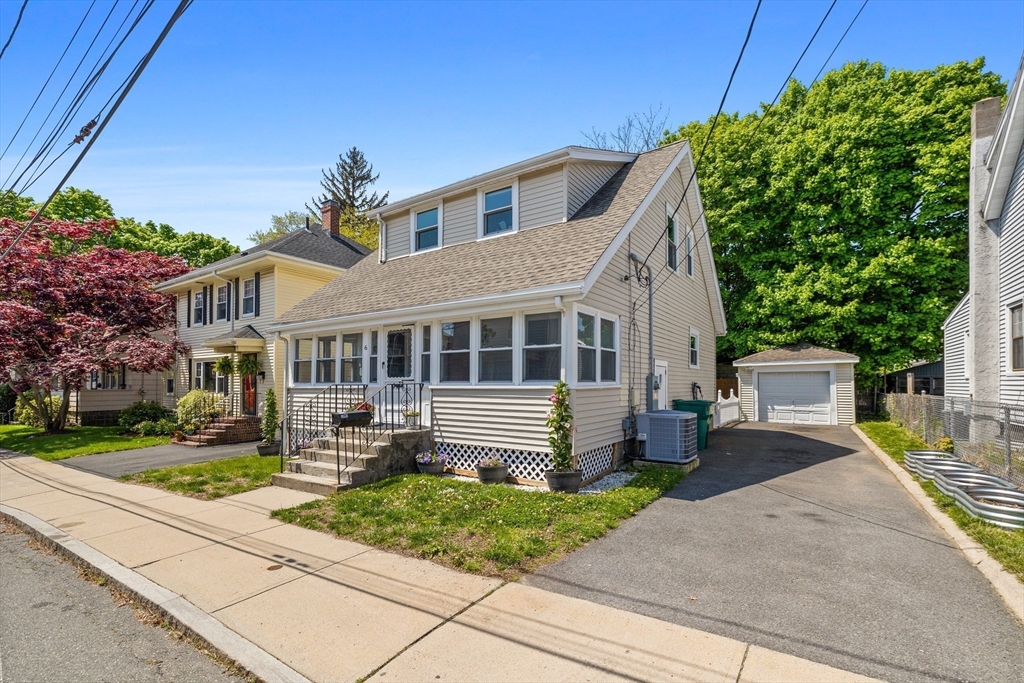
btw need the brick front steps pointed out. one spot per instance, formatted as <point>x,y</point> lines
<point>224,430</point>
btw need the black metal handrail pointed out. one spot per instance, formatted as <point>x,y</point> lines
<point>312,419</point>
<point>196,417</point>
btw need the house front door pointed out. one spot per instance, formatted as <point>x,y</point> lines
<point>398,354</point>
<point>661,375</point>
<point>249,393</point>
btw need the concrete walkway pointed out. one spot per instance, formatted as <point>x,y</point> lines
<point>798,539</point>
<point>333,610</point>
<point>118,463</point>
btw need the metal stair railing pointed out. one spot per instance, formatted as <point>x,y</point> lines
<point>312,419</point>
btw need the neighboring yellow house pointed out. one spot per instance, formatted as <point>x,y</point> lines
<point>224,309</point>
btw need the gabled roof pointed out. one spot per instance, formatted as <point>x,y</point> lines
<point>309,244</point>
<point>556,254</point>
<point>247,332</point>
<point>797,353</point>
<point>1006,148</point>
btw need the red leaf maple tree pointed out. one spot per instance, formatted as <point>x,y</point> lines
<point>70,306</point>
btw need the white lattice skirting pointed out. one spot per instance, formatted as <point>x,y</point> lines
<point>529,465</point>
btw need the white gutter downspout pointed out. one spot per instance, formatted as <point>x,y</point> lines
<point>565,335</point>
<point>382,240</point>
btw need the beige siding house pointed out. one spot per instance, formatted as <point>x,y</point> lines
<point>799,384</point>
<point>226,308</point>
<point>487,291</point>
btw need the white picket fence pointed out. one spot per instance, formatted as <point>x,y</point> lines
<point>726,409</point>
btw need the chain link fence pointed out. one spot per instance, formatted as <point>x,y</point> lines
<point>989,435</point>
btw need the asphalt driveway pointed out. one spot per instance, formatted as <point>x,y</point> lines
<point>119,463</point>
<point>799,540</point>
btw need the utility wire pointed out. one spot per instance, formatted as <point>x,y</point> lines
<point>36,100</point>
<point>751,137</point>
<point>711,131</point>
<point>13,30</point>
<point>182,6</point>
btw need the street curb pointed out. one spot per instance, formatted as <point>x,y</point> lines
<point>1009,588</point>
<point>177,610</point>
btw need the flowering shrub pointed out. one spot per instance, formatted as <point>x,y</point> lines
<point>362,406</point>
<point>430,457</point>
<point>492,460</point>
<point>560,428</point>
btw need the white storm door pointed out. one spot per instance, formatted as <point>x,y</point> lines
<point>398,354</point>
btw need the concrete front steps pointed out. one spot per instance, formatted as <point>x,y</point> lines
<point>223,430</point>
<point>315,470</point>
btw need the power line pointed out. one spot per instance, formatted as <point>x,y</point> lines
<point>180,10</point>
<point>751,137</point>
<point>13,30</point>
<point>55,66</point>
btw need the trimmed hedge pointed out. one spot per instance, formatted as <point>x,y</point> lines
<point>142,411</point>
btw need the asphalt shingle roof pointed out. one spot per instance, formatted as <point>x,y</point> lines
<point>549,255</point>
<point>796,352</point>
<point>247,332</point>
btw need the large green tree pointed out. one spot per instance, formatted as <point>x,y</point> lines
<point>282,225</point>
<point>350,183</point>
<point>844,221</point>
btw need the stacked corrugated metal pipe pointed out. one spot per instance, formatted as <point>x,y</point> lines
<point>983,495</point>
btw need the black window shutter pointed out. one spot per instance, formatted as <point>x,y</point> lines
<point>236,298</point>
<point>256,312</point>
<point>207,300</point>
<point>188,309</point>
<point>228,303</point>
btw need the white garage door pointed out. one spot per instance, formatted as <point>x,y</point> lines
<point>794,397</point>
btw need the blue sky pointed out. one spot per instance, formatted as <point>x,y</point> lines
<point>247,101</point>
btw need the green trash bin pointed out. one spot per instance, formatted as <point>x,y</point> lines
<point>705,411</point>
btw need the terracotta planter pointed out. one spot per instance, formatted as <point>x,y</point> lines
<point>492,475</point>
<point>564,482</point>
<point>272,448</point>
<point>431,467</point>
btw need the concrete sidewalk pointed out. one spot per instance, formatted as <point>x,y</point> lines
<point>334,610</point>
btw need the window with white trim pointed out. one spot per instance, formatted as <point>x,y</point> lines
<point>108,379</point>
<point>498,211</point>
<point>542,347</point>
<point>352,357</point>
<point>249,296</point>
<point>222,303</point>
<point>427,229</point>
<point>325,359</point>
<point>689,252</point>
<point>694,348</point>
<point>586,349</point>
<point>609,351</point>
<point>1017,337</point>
<point>198,308</point>
<point>455,352</point>
<point>373,357</point>
<point>169,382</point>
<point>495,354</point>
<point>425,356</point>
<point>672,247</point>
<point>302,365</point>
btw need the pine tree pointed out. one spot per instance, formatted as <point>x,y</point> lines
<point>349,183</point>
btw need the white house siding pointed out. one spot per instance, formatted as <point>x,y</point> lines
<point>955,382</point>
<point>746,377</point>
<point>1011,282</point>
<point>498,417</point>
<point>592,407</point>
<point>680,302</point>
<point>459,219</point>
<point>397,227</point>
<point>845,401</point>
<point>586,178</point>
<point>541,198</point>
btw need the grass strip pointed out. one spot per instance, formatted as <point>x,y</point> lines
<point>1005,545</point>
<point>211,480</point>
<point>74,442</point>
<point>491,530</point>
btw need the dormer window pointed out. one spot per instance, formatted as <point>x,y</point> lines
<point>427,229</point>
<point>498,211</point>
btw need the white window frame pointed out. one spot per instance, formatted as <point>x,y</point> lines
<point>169,377</point>
<point>294,358</point>
<point>519,353</point>
<point>669,242</point>
<point>199,298</point>
<point>473,332</point>
<point>695,337</point>
<point>481,192</point>
<point>412,227</point>
<point>690,247</point>
<point>358,355</point>
<point>317,359</point>
<point>227,304</point>
<point>1009,336</point>
<point>251,298</point>
<point>615,349</point>
<point>478,332</point>
<point>572,358</point>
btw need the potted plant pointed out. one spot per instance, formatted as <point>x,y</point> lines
<point>248,365</point>
<point>412,419</point>
<point>269,446</point>
<point>491,470</point>
<point>224,366</point>
<point>563,477</point>
<point>178,436</point>
<point>429,462</point>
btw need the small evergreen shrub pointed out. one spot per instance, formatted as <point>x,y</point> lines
<point>270,416</point>
<point>141,411</point>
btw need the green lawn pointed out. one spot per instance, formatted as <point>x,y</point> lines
<point>491,530</point>
<point>1005,545</point>
<point>210,480</point>
<point>76,441</point>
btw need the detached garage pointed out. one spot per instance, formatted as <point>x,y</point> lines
<point>800,384</point>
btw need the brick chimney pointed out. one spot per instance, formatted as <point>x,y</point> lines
<point>330,213</point>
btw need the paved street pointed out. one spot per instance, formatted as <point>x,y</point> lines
<point>56,626</point>
<point>799,540</point>
<point>115,464</point>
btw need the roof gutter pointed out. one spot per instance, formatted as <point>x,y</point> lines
<point>202,272</point>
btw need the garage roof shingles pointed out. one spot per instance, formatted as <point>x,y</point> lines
<point>797,352</point>
<point>554,254</point>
